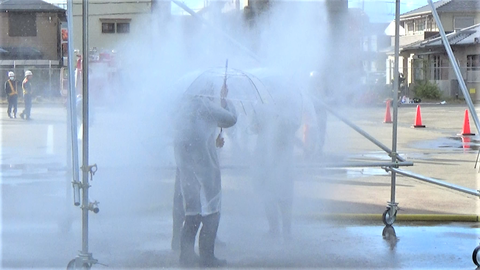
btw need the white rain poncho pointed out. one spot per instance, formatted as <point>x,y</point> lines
<point>195,152</point>
<point>276,127</point>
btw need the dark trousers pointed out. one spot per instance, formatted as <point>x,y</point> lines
<point>12,104</point>
<point>276,210</point>
<point>28,105</point>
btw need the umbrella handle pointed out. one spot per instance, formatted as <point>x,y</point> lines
<point>223,102</point>
<point>220,141</point>
<point>224,92</point>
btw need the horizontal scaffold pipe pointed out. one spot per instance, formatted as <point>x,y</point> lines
<point>359,164</point>
<point>361,131</point>
<point>320,166</point>
<point>435,181</point>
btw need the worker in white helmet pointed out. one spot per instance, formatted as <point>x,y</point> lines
<point>27,95</point>
<point>11,86</point>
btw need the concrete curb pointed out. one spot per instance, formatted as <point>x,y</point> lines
<point>400,217</point>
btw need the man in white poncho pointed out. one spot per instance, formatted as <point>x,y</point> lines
<point>273,170</point>
<point>196,130</point>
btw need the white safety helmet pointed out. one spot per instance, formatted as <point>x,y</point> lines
<point>28,72</point>
<point>11,74</point>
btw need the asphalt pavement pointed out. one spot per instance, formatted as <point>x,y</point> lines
<point>337,210</point>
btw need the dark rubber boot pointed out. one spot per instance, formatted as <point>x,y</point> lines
<point>178,214</point>
<point>208,234</point>
<point>188,258</point>
<point>271,211</point>
<point>286,210</point>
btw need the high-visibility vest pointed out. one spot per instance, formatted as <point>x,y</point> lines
<point>14,91</point>
<point>26,91</point>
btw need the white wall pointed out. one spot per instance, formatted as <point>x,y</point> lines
<point>137,12</point>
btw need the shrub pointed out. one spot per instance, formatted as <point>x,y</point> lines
<point>426,89</point>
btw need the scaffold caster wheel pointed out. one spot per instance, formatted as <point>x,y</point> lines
<point>74,265</point>
<point>476,256</point>
<point>387,218</point>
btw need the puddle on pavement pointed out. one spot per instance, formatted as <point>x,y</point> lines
<point>377,155</point>
<point>459,142</point>
<point>357,172</point>
<point>30,170</point>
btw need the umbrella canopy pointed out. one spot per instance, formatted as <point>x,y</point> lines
<point>244,89</point>
<point>260,95</point>
<point>286,99</point>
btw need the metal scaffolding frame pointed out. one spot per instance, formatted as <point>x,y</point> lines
<point>85,259</point>
<point>396,161</point>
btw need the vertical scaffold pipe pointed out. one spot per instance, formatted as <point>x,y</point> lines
<point>392,204</point>
<point>85,167</point>
<point>71,112</point>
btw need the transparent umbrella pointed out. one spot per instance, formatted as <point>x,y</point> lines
<point>245,90</point>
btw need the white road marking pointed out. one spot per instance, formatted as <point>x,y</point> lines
<point>50,140</point>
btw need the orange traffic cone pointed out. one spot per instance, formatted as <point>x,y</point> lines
<point>418,119</point>
<point>388,117</point>
<point>466,126</point>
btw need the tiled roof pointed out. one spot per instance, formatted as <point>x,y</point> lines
<point>460,6</point>
<point>446,6</point>
<point>28,5</point>
<point>466,36</point>
<point>426,8</point>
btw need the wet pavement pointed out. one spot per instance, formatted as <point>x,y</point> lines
<point>133,232</point>
<point>337,211</point>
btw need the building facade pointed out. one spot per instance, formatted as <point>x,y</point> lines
<point>110,23</point>
<point>429,61</point>
<point>30,33</point>
<point>419,58</point>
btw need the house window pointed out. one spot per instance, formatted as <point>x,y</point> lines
<point>111,26</point>
<point>108,28</point>
<point>420,25</point>
<point>440,68</point>
<point>436,67</point>
<point>419,69</point>
<point>463,22</point>
<point>431,25</point>
<point>473,62</point>
<point>123,27</point>
<point>22,24</point>
<point>410,26</point>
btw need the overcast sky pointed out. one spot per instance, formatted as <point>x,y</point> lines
<point>377,10</point>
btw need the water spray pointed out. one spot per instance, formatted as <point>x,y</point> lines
<point>230,39</point>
